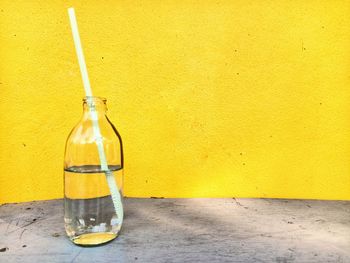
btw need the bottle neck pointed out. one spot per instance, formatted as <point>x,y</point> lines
<point>94,107</point>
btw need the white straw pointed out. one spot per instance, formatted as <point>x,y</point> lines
<point>116,198</point>
<point>79,50</point>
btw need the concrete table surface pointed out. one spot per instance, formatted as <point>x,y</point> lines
<point>187,230</point>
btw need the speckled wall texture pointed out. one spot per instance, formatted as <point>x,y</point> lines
<point>212,98</point>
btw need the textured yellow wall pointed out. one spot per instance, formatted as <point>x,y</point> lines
<point>212,98</point>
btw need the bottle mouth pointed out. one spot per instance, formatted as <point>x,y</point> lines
<point>90,99</point>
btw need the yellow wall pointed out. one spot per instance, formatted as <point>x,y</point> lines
<point>212,98</point>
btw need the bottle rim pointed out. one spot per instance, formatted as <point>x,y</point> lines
<point>94,98</point>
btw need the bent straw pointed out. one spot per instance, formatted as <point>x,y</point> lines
<point>116,198</point>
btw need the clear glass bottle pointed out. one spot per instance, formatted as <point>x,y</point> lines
<point>89,214</point>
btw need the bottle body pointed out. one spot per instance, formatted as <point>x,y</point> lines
<point>89,212</point>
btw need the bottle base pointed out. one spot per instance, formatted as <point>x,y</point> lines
<point>94,239</point>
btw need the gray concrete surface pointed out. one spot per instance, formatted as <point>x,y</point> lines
<point>187,230</point>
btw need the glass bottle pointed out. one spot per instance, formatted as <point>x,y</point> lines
<point>89,215</point>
